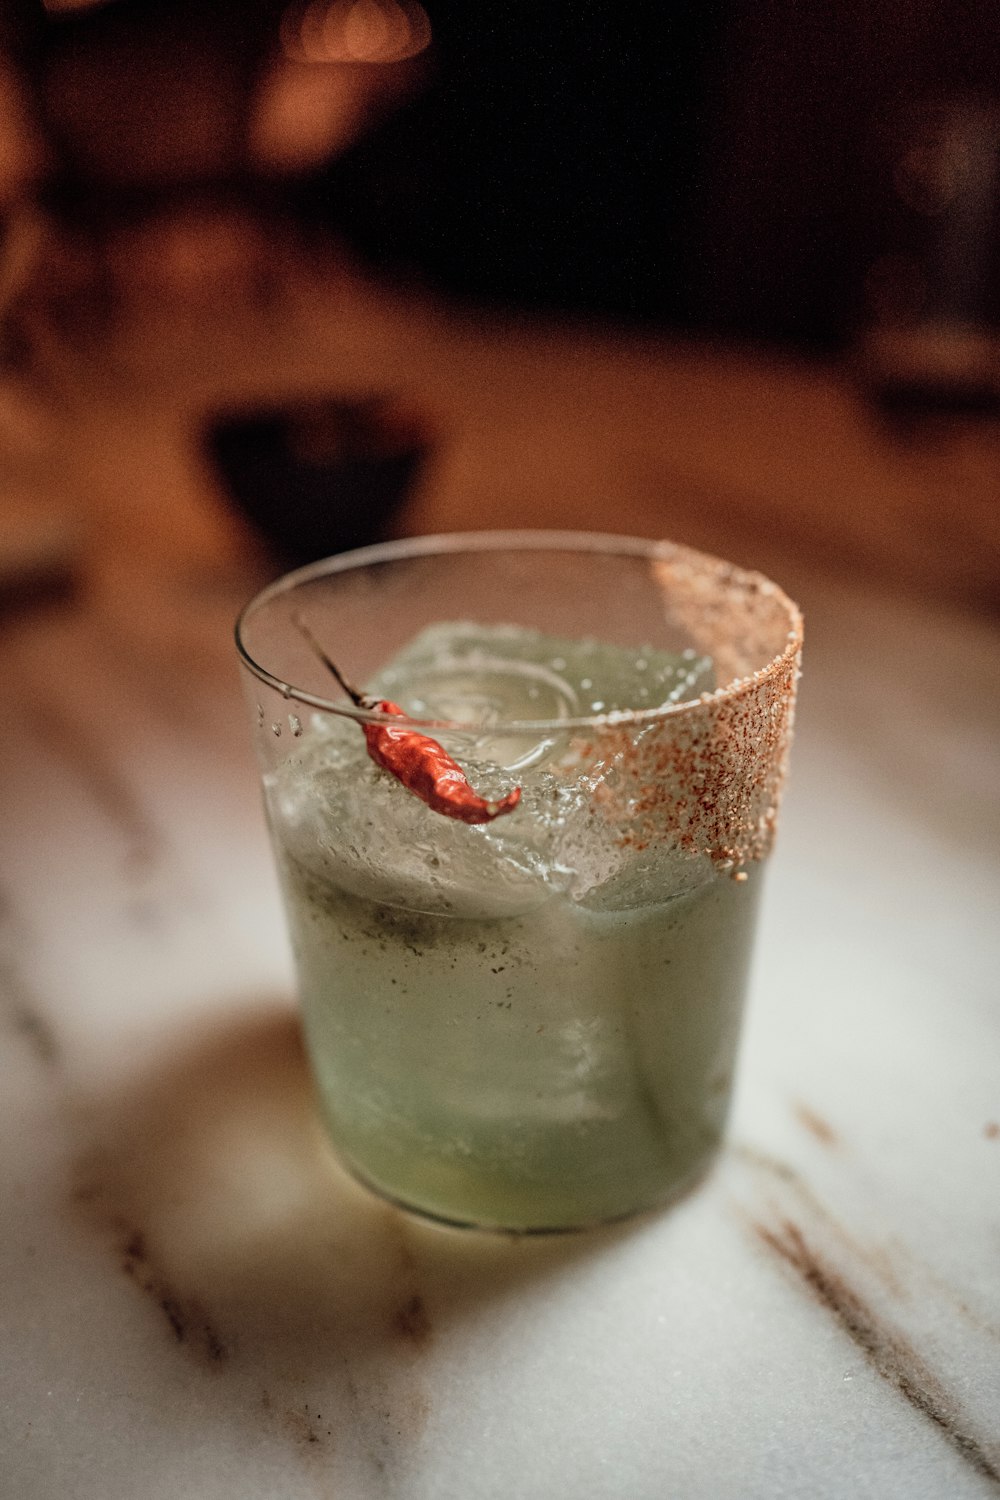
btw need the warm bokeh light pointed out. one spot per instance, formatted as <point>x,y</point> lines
<point>303,115</point>
<point>355,31</point>
<point>312,101</point>
<point>22,148</point>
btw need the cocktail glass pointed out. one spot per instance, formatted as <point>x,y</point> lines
<point>529,1024</point>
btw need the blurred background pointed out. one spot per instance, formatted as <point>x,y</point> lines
<point>289,278</point>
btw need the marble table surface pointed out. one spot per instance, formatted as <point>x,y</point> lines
<point>196,1302</point>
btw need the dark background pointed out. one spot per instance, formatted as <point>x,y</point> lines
<point>723,168</point>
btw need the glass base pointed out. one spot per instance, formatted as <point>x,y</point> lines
<point>678,1190</point>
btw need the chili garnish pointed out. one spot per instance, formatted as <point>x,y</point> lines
<point>422,765</point>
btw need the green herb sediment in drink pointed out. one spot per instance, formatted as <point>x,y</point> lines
<point>529,1071</point>
<point>525,1024</point>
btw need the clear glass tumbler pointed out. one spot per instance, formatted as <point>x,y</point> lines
<point>528,1023</point>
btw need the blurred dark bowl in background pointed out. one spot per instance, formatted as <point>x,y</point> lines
<point>318,477</point>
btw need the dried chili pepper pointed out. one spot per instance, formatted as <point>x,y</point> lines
<point>422,765</point>
<point>427,770</point>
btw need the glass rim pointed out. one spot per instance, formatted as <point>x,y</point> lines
<point>523,540</point>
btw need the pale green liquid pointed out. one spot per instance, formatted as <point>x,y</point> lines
<point>540,1071</point>
<point>565,1059</point>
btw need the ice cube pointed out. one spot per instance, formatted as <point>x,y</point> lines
<point>354,825</point>
<point>646,878</point>
<point>491,674</point>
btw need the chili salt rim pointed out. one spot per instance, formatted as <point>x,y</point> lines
<point>727,580</point>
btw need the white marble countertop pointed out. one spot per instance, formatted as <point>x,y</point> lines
<point>194,1301</point>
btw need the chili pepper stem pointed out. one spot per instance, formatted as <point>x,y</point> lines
<point>360,700</point>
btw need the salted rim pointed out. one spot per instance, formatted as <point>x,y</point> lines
<point>524,541</point>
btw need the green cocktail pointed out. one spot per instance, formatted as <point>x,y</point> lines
<point>532,1023</point>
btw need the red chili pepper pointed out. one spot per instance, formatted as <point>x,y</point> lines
<point>422,765</point>
<point>426,769</point>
